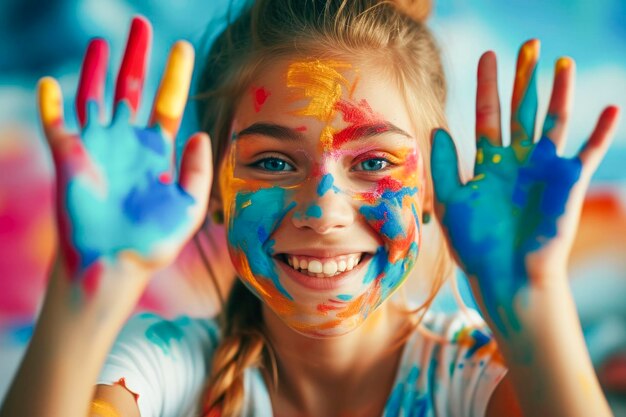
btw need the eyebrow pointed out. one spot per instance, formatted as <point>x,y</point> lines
<point>348,134</point>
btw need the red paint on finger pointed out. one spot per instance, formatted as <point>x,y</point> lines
<point>93,73</point>
<point>132,71</point>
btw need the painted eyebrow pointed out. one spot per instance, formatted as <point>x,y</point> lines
<point>355,132</point>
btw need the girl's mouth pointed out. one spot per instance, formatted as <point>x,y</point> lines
<point>314,271</point>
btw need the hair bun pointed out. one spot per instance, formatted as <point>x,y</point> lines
<point>418,10</point>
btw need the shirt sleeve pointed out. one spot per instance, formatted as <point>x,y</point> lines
<point>469,366</point>
<point>163,362</point>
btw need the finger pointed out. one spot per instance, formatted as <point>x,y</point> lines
<point>171,97</point>
<point>524,100</point>
<point>196,170</point>
<point>444,166</point>
<point>132,71</point>
<point>555,124</point>
<point>594,149</point>
<point>487,101</point>
<point>90,93</point>
<point>50,100</point>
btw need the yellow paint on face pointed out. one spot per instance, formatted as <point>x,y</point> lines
<point>50,102</point>
<point>172,95</point>
<point>103,409</point>
<point>321,83</point>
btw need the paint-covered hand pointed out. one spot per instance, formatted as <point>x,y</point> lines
<point>512,225</point>
<point>116,195</point>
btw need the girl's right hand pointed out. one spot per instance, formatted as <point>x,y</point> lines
<point>117,199</point>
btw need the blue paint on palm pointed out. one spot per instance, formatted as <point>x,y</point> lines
<point>261,210</point>
<point>127,207</point>
<point>495,221</point>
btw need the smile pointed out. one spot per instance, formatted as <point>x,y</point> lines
<point>325,273</point>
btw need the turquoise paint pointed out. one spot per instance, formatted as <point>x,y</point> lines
<point>326,183</point>
<point>127,207</point>
<point>493,223</point>
<point>261,211</point>
<point>163,333</point>
<point>407,399</point>
<point>314,211</point>
<point>344,297</point>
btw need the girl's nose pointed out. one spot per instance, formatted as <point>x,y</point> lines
<point>329,211</point>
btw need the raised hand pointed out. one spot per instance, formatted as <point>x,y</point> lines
<point>512,225</point>
<point>117,200</point>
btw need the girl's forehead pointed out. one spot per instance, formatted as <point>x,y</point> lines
<point>318,92</point>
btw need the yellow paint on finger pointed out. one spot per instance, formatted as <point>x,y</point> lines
<point>172,95</point>
<point>103,409</point>
<point>563,64</point>
<point>480,156</point>
<point>50,102</point>
<point>496,158</point>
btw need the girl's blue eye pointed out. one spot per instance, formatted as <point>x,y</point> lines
<point>274,165</point>
<point>374,164</point>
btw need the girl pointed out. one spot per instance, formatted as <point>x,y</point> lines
<point>326,119</point>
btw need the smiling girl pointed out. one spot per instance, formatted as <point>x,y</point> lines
<point>326,120</point>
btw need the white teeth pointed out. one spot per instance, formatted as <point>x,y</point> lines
<point>350,264</point>
<point>330,268</point>
<point>315,267</point>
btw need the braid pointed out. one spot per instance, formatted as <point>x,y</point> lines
<point>243,345</point>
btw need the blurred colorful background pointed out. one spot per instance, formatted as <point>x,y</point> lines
<point>49,37</point>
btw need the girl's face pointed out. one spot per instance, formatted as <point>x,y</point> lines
<point>322,185</point>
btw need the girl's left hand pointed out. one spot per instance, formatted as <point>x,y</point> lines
<point>512,225</point>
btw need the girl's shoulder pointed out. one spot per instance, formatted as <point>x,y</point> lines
<point>164,362</point>
<point>450,365</point>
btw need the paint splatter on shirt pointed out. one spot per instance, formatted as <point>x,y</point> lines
<point>167,362</point>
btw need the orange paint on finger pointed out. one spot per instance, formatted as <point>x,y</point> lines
<point>527,58</point>
<point>50,102</point>
<point>103,409</point>
<point>172,95</point>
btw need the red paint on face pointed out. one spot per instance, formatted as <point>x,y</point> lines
<point>301,129</point>
<point>259,95</point>
<point>358,115</point>
<point>385,184</point>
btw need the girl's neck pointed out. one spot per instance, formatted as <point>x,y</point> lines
<point>340,370</point>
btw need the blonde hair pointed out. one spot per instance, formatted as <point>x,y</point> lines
<point>368,31</point>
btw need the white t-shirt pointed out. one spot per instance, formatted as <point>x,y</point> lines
<point>449,372</point>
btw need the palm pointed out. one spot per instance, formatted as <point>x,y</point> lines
<point>515,203</point>
<point>114,187</point>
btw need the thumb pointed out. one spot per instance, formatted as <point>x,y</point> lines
<point>444,166</point>
<point>196,171</point>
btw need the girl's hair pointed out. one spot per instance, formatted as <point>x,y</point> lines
<point>370,32</point>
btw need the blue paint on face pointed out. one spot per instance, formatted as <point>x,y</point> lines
<point>263,211</point>
<point>326,183</point>
<point>127,207</point>
<point>314,211</point>
<point>344,297</point>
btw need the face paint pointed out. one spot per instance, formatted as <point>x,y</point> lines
<point>256,210</point>
<point>259,96</point>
